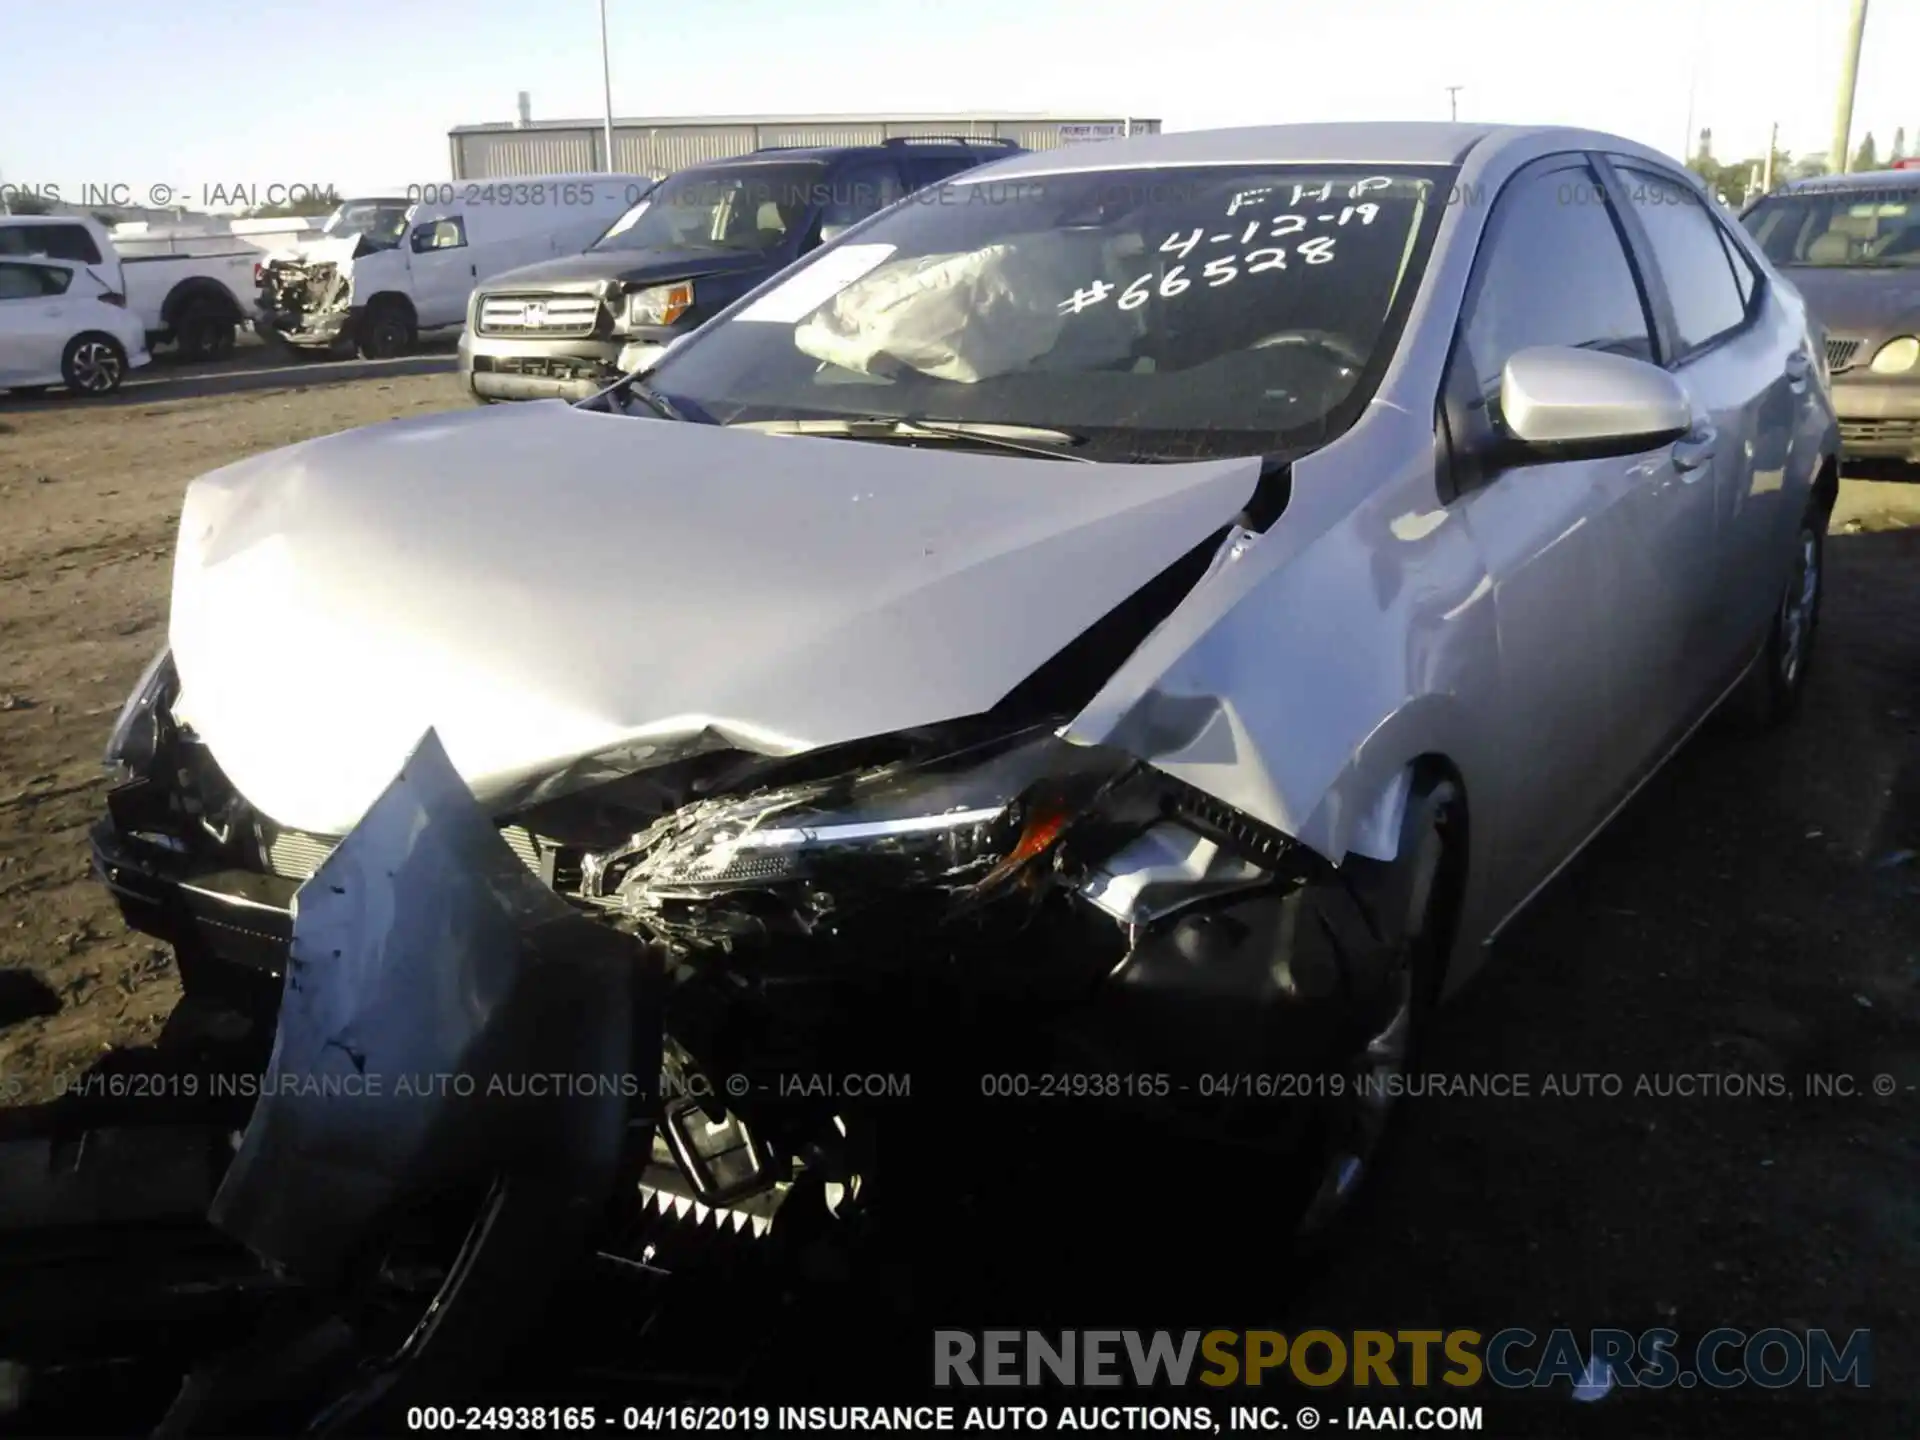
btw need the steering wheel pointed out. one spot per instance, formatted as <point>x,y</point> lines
<point>1326,342</point>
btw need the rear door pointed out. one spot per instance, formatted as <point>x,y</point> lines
<point>1748,378</point>
<point>35,323</point>
<point>1572,549</point>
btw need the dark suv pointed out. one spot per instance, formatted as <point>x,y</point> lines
<point>705,237</point>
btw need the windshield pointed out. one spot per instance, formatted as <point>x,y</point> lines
<point>1839,229</point>
<point>381,221</point>
<point>1159,314</point>
<point>746,208</point>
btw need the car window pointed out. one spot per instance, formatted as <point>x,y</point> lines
<point>1838,228</point>
<point>448,234</point>
<point>1745,276</point>
<point>56,242</point>
<point>858,191</point>
<point>1552,270</point>
<point>1692,256</point>
<point>925,170</point>
<point>750,207</point>
<point>1226,309</point>
<point>33,282</point>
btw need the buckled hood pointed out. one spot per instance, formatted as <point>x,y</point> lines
<point>544,584</point>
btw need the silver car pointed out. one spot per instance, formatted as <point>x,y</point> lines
<point>1131,625</point>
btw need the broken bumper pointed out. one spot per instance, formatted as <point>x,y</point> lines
<point>315,332</point>
<point>496,369</point>
<point>1879,418</point>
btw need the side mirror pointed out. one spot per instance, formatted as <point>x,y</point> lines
<point>1570,404</point>
<point>422,239</point>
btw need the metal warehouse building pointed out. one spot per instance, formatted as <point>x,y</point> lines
<point>661,146</point>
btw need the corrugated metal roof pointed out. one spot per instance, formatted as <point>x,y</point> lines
<point>488,152</point>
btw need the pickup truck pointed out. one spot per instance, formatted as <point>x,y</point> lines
<point>187,286</point>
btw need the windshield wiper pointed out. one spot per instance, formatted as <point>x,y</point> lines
<point>651,398</point>
<point>1020,439</point>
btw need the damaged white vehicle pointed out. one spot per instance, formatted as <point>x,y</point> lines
<point>1132,630</point>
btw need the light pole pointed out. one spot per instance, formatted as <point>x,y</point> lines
<point>606,82</point>
<point>1838,162</point>
<point>1453,101</point>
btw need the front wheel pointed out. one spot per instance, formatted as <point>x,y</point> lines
<point>93,365</point>
<point>386,332</point>
<point>1406,905</point>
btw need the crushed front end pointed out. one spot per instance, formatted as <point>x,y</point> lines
<point>878,961</point>
<point>305,302</point>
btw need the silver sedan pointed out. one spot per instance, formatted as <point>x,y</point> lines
<point>1130,623</point>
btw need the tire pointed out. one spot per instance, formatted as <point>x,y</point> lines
<point>93,365</point>
<point>204,334</point>
<point>385,331</point>
<point>1770,695</point>
<point>1388,925</point>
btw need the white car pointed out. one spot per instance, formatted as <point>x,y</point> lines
<point>62,324</point>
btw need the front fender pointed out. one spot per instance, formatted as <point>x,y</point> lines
<point>1299,680</point>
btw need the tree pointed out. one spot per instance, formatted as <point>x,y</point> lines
<point>1899,144</point>
<point>23,202</point>
<point>1867,157</point>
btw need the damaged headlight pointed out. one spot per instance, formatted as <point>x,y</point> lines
<point>964,823</point>
<point>138,733</point>
<point>659,304</point>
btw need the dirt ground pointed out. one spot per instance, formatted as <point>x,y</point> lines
<point>1755,913</point>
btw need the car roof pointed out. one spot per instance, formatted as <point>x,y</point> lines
<point>49,220</point>
<point>1366,142</point>
<point>984,150</point>
<point>1900,180</point>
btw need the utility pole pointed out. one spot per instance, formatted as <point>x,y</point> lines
<point>1839,160</point>
<point>1453,101</point>
<point>1766,166</point>
<point>606,82</point>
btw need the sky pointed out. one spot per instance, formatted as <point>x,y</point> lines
<point>359,94</point>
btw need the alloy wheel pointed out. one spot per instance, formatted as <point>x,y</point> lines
<point>96,367</point>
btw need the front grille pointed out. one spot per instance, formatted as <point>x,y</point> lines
<point>294,855</point>
<point>1840,353</point>
<point>1880,432</point>
<point>541,315</point>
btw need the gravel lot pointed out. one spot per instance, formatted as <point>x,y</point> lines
<point>1756,912</point>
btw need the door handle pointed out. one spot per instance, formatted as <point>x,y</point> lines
<point>1692,452</point>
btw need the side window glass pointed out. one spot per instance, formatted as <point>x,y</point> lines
<point>440,235</point>
<point>1692,256</point>
<point>20,282</point>
<point>1551,271</point>
<point>857,192</point>
<point>932,169</point>
<point>72,242</point>
<point>1745,277</point>
<point>33,282</point>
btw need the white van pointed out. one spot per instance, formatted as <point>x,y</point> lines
<point>387,270</point>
